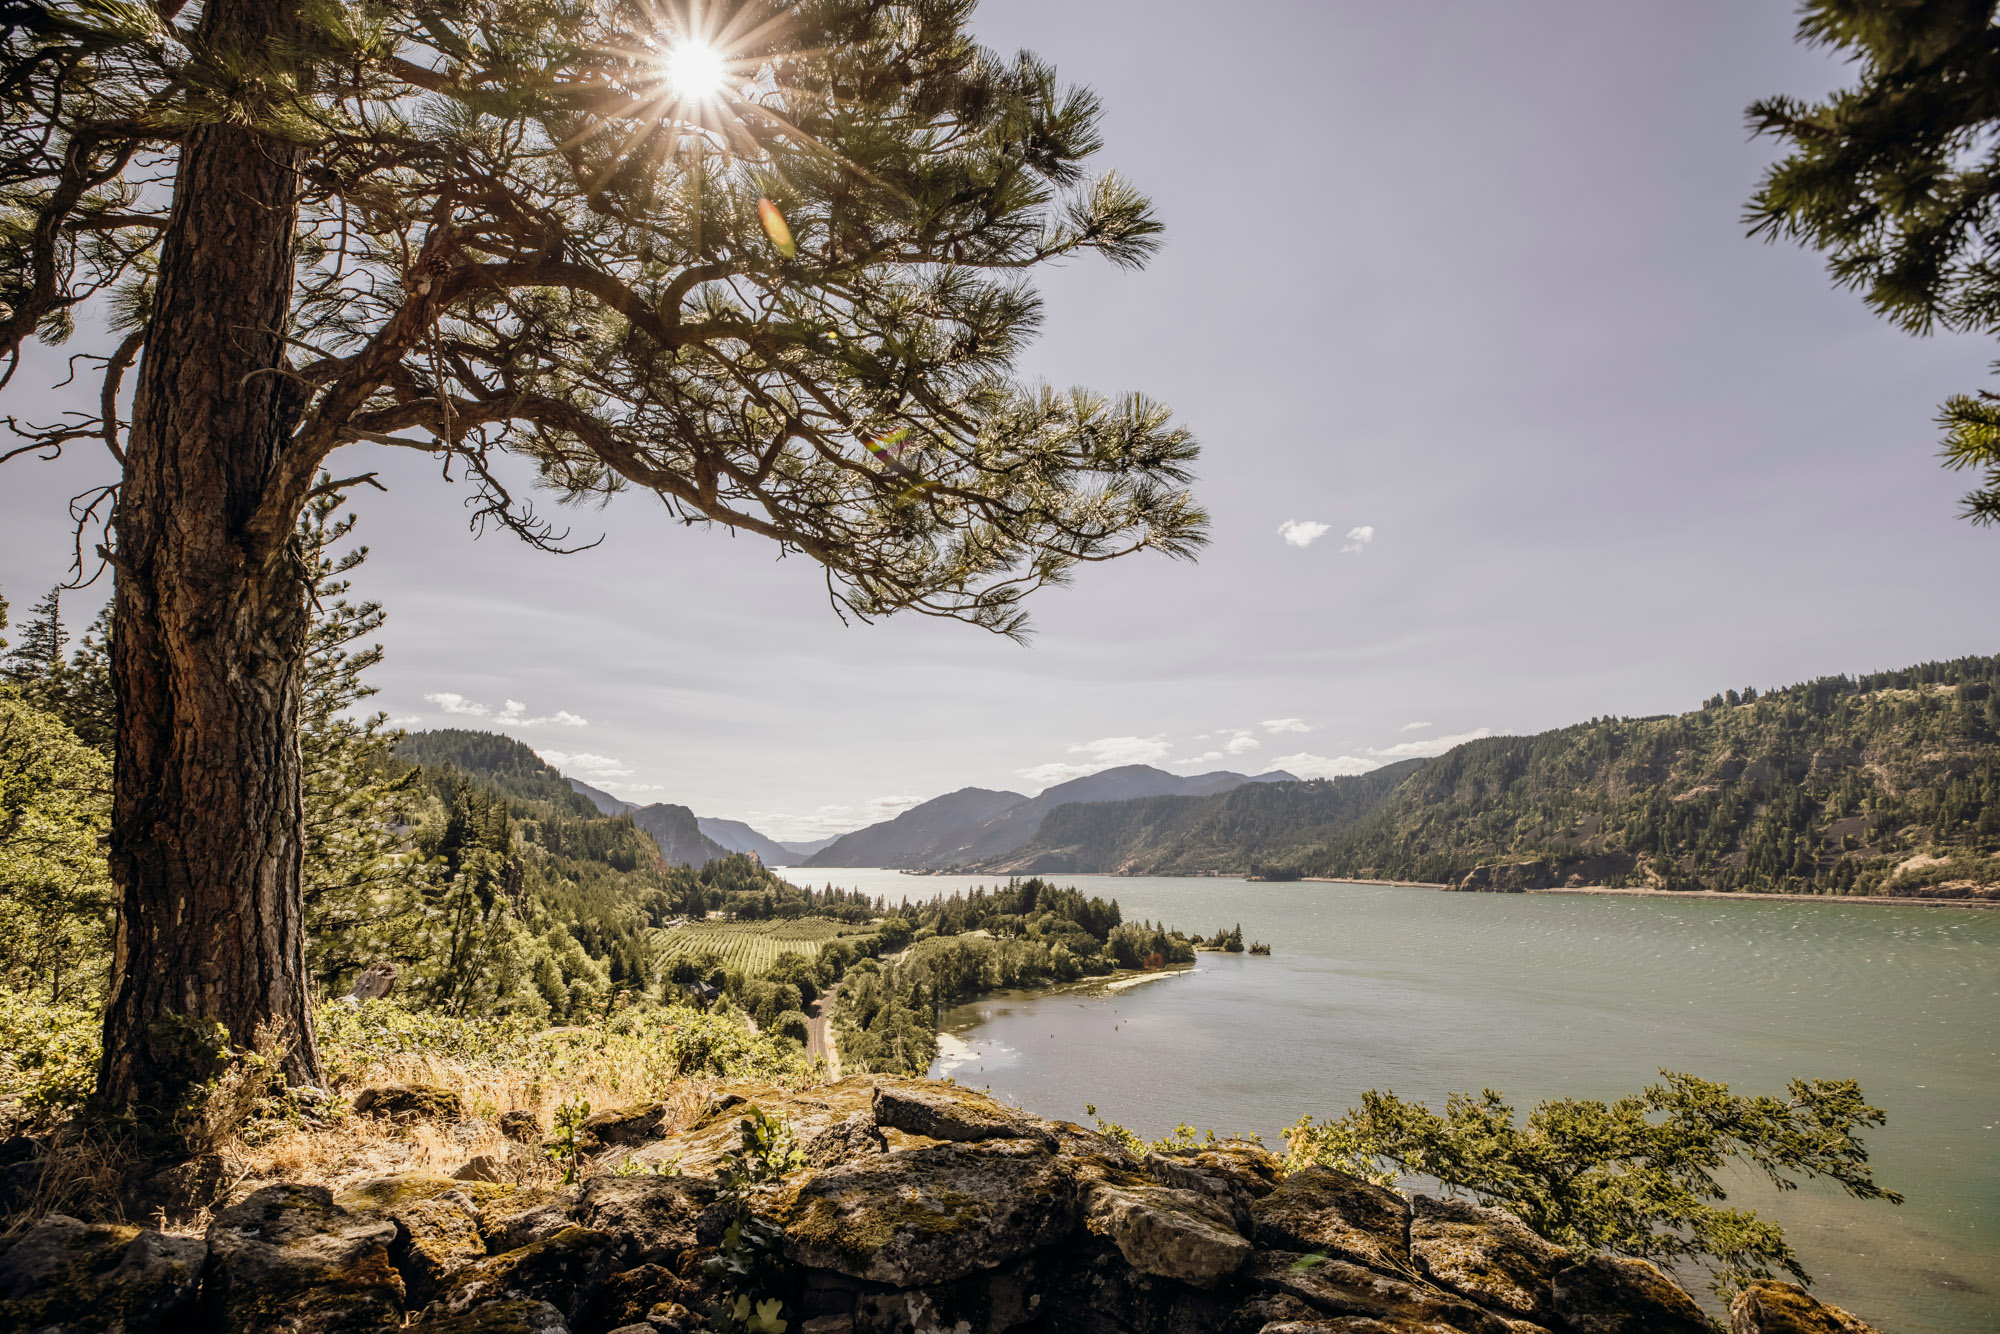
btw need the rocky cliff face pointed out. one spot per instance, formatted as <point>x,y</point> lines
<point>923,1208</point>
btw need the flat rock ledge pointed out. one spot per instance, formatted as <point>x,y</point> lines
<point>925,1208</point>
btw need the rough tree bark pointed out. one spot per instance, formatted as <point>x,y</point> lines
<point>212,612</point>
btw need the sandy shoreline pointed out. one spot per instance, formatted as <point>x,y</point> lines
<point>1903,900</point>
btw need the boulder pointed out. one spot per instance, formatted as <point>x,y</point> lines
<point>627,1297</point>
<point>66,1277</point>
<point>505,1317</point>
<point>630,1125</point>
<point>1487,1255</point>
<point>653,1218</point>
<point>948,1112</point>
<point>849,1137</point>
<point>565,1271</point>
<point>1342,1216</point>
<point>1770,1307</point>
<point>1172,1233</point>
<point>922,1216</point>
<point>1338,1288</point>
<point>289,1257</point>
<point>1608,1294</point>
<point>521,1127</point>
<point>484,1167</point>
<point>372,983</point>
<point>1234,1173</point>
<point>409,1102</point>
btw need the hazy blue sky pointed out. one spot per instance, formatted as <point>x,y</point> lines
<point>1469,278</point>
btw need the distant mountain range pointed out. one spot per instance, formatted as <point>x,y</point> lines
<point>722,836</point>
<point>976,828</point>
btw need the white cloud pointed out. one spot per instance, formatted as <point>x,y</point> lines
<point>410,720</point>
<point>1436,745</point>
<point>1415,727</point>
<point>824,821</point>
<point>1207,757</point>
<point>1358,538</point>
<point>510,712</point>
<point>1107,752</point>
<point>1277,726</point>
<point>1302,533</point>
<point>1242,743</point>
<point>1323,766</point>
<point>584,765</point>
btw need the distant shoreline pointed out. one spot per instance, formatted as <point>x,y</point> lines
<point>1903,900</point>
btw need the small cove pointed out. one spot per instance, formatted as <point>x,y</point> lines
<point>1549,996</point>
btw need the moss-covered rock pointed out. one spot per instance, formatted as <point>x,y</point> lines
<point>653,1218</point>
<point>1770,1307</point>
<point>409,1102</point>
<point>565,1271</point>
<point>1339,1288</point>
<point>1234,1173</point>
<point>633,1124</point>
<point>929,1215</point>
<point>1163,1230</point>
<point>1486,1255</point>
<point>1319,1209</point>
<point>1608,1294</point>
<point>629,1296</point>
<point>289,1258</point>
<point>62,1276</point>
<point>503,1317</point>
<point>947,1112</point>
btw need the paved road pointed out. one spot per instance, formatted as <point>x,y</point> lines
<point>819,1031</point>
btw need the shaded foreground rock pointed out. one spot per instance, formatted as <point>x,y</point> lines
<point>1770,1307</point>
<point>62,1276</point>
<point>1607,1294</point>
<point>289,1258</point>
<point>924,1208</point>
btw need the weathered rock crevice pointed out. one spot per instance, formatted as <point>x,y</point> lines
<point>924,1208</point>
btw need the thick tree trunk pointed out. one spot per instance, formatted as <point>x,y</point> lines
<point>211,616</point>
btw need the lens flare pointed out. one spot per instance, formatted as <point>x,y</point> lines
<point>695,69</point>
<point>776,228</point>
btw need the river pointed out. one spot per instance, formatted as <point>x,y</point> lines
<point>1554,995</point>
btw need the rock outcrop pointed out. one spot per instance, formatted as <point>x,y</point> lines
<point>922,1208</point>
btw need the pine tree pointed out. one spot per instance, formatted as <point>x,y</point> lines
<point>1897,180</point>
<point>787,302</point>
<point>38,662</point>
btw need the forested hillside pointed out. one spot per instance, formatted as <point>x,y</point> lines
<point>1882,784</point>
<point>1230,832</point>
<point>1889,783</point>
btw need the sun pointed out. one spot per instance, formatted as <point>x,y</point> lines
<point>695,70</point>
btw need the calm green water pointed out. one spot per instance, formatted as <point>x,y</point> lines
<point>1551,995</point>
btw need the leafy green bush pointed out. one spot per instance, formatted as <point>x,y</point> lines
<point>48,1057</point>
<point>1634,1177</point>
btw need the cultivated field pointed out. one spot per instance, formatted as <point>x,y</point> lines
<point>751,947</point>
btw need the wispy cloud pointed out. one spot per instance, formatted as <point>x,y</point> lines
<point>1279,726</point>
<point>1437,745</point>
<point>824,821</point>
<point>1302,532</point>
<point>1357,538</point>
<point>584,765</point>
<point>1324,766</point>
<point>1415,727</point>
<point>1106,752</point>
<point>410,720</point>
<point>1206,757</point>
<point>511,712</point>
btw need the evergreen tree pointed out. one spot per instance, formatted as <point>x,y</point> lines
<point>1897,180</point>
<point>37,663</point>
<point>787,301</point>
